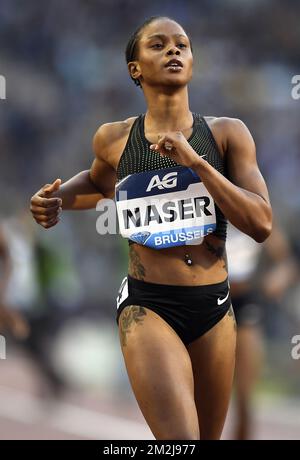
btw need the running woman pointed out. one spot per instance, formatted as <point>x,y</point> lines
<point>176,177</point>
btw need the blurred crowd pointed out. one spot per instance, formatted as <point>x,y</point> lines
<point>66,74</point>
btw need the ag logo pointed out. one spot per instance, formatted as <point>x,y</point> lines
<point>168,181</point>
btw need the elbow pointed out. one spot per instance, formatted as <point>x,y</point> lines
<point>263,231</point>
<point>262,234</point>
<point>257,225</point>
<point>263,224</point>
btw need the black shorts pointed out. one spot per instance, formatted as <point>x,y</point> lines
<point>247,309</point>
<point>189,310</point>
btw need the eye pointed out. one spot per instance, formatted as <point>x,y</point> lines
<point>182,45</point>
<point>157,45</point>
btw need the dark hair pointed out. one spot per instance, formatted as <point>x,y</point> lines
<point>131,47</point>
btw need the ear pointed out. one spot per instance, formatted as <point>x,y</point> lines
<point>134,70</point>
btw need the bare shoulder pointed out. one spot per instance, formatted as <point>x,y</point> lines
<point>111,136</point>
<point>229,130</point>
<point>226,124</point>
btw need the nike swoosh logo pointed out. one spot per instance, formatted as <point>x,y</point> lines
<point>221,301</point>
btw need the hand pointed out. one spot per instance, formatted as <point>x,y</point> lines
<point>175,146</point>
<point>45,208</point>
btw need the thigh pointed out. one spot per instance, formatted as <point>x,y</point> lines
<point>213,360</point>
<point>160,373</point>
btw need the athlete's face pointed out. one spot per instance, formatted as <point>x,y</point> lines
<point>160,43</point>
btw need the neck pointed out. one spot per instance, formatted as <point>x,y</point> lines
<point>168,111</point>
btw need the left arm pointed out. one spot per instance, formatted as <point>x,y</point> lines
<point>243,199</point>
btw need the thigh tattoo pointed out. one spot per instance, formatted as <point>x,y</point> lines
<point>131,315</point>
<point>232,315</point>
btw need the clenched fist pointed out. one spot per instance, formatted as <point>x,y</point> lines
<point>175,146</point>
<point>45,207</point>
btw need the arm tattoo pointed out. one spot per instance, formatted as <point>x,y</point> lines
<point>219,252</point>
<point>137,269</point>
<point>130,315</point>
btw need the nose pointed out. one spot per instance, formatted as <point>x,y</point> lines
<point>173,50</point>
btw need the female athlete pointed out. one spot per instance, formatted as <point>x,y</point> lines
<point>182,175</point>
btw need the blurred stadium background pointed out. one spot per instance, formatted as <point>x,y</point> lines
<point>65,73</point>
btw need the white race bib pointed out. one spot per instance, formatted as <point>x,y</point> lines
<point>165,208</point>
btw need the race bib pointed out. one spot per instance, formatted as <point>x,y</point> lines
<point>165,208</point>
<point>123,292</point>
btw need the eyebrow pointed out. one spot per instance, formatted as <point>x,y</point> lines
<point>165,36</point>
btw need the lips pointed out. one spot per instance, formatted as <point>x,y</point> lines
<point>174,63</point>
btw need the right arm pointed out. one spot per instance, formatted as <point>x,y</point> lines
<point>82,191</point>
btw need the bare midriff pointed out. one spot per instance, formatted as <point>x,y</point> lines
<point>168,266</point>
